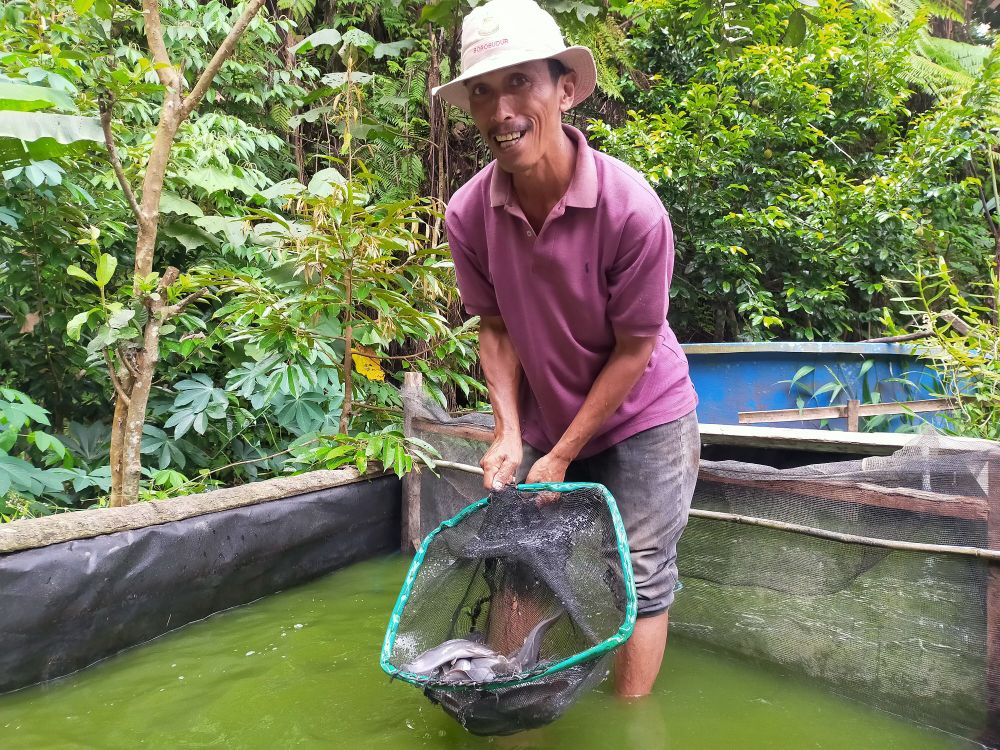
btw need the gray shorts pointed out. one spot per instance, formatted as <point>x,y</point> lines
<point>652,477</point>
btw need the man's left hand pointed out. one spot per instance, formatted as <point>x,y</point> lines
<point>549,468</point>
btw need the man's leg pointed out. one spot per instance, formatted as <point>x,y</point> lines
<point>652,477</point>
<point>638,661</point>
<point>514,611</point>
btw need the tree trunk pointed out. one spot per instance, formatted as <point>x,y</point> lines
<point>130,406</point>
<point>118,440</point>
<point>345,411</point>
<point>152,188</point>
<point>138,400</point>
<point>295,137</point>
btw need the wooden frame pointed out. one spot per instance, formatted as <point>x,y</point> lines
<point>853,410</point>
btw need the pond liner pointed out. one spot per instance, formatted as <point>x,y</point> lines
<point>67,605</point>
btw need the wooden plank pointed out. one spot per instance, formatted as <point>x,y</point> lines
<point>916,501</point>
<point>792,415</point>
<point>413,387</point>
<point>463,431</point>
<point>29,533</point>
<point>844,410</point>
<point>853,415</point>
<point>821,441</point>
<point>906,407</point>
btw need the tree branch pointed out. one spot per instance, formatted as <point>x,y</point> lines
<point>168,278</point>
<point>994,229</point>
<point>177,309</point>
<point>897,339</point>
<point>128,365</point>
<point>222,54</point>
<point>165,70</point>
<point>168,311</point>
<point>114,378</point>
<point>116,164</point>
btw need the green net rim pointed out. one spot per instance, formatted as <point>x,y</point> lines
<point>623,634</point>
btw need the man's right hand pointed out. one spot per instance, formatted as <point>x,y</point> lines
<point>501,462</point>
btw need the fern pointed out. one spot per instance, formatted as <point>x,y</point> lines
<point>298,9</point>
<point>608,42</point>
<point>930,76</point>
<point>397,103</point>
<point>280,115</point>
<point>893,10</point>
<point>952,10</point>
<point>937,65</point>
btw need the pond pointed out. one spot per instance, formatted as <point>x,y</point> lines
<point>300,670</point>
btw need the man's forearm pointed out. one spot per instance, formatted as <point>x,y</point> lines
<point>502,369</point>
<point>503,372</point>
<point>616,380</point>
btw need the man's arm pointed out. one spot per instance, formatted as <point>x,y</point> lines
<point>615,381</point>
<point>503,374</point>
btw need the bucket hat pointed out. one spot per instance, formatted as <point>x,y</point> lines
<point>502,33</point>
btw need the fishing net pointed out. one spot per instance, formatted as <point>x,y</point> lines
<point>915,632</point>
<point>543,575</point>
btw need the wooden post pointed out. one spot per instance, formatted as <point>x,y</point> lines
<point>853,420</point>
<point>413,389</point>
<point>992,734</point>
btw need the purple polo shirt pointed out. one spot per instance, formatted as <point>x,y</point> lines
<point>600,265</point>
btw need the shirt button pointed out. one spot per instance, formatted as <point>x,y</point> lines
<point>530,233</point>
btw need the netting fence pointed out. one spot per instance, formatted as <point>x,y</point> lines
<point>878,576</point>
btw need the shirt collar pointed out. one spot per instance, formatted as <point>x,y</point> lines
<point>582,191</point>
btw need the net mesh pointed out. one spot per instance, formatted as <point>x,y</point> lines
<point>907,632</point>
<point>543,581</point>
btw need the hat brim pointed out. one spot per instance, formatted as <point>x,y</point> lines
<point>578,59</point>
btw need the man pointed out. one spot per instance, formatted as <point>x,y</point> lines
<point>566,255</point>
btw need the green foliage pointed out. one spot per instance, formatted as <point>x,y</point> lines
<point>795,178</point>
<point>783,139</point>
<point>936,64</point>
<point>864,387</point>
<point>58,273</point>
<point>387,448</point>
<point>964,346</point>
<point>398,102</point>
<point>35,465</point>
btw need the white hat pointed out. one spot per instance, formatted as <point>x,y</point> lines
<point>502,33</point>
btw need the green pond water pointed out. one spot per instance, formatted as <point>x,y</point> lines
<point>300,670</point>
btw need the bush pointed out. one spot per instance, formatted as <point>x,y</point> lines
<point>796,178</point>
<point>963,346</point>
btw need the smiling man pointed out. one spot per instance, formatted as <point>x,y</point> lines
<point>566,255</point>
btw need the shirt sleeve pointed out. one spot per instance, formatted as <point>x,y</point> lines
<point>639,281</point>
<point>474,285</point>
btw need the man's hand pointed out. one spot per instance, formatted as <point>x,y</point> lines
<point>549,468</point>
<point>501,462</point>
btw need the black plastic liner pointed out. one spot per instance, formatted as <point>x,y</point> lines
<point>68,605</point>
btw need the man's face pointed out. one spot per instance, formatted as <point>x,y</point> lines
<point>518,111</point>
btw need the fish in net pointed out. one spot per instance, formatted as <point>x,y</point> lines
<point>511,608</point>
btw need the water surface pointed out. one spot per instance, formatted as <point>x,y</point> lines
<point>300,670</point>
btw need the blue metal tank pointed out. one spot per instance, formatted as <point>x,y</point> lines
<point>736,377</point>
